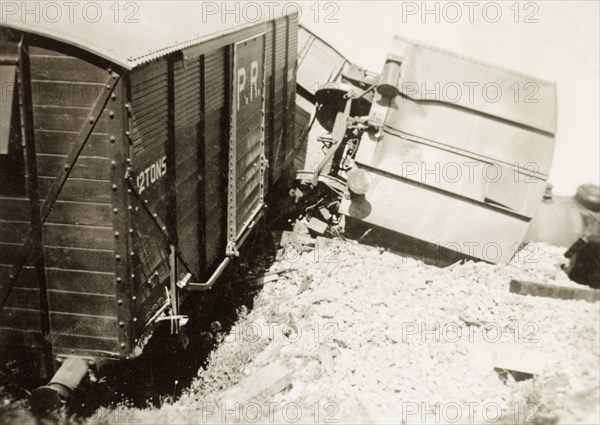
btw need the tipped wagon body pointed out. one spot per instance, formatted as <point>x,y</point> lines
<point>131,157</point>
<point>454,176</point>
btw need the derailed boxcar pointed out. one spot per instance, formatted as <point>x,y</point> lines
<point>444,150</point>
<point>133,157</point>
<point>465,171</point>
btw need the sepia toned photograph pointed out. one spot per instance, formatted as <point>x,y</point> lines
<point>310,212</point>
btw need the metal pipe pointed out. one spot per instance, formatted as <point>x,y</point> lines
<point>60,388</point>
<point>203,286</point>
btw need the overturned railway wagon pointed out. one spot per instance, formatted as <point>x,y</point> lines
<point>131,157</point>
<point>452,175</point>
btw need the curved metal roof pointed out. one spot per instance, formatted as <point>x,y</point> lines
<point>135,36</point>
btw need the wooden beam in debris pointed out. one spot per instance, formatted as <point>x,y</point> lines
<point>317,226</point>
<point>516,358</point>
<point>554,291</point>
<point>286,237</point>
<point>265,382</point>
<point>264,278</point>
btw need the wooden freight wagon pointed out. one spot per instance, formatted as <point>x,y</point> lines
<point>131,155</point>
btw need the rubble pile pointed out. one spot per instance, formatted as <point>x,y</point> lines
<point>355,334</point>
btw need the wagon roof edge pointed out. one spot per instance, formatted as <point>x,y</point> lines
<point>131,45</point>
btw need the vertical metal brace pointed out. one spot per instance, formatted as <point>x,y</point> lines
<point>173,293</point>
<point>273,152</point>
<point>264,162</point>
<point>172,192</point>
<point>118,127</point>
<point>231,248</point>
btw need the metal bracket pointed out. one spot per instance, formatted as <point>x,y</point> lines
<point>337,134</point>
<point>231,249</point>
<point>203,286</point>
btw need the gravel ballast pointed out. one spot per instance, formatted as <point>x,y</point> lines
<point>368,336</point>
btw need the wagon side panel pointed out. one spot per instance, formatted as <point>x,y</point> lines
<point>247,144</point>
<point>280,42</point>
<point>292,129</point>
<point>269,96</point>
<point>149,197</point>
<point>78,237</point>
<point>216,134</point>
<point>188,153</point>
<point>20,318</point>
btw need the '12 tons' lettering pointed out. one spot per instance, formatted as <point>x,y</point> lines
<point>152,174</point>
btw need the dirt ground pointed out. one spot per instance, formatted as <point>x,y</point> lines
<point>355,334</point>
<point>350,333</point>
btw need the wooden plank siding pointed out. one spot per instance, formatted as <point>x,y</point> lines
<point>268,93</point>
<point>149,93</point>
<point>216,136</point>
<point>15,211</point>
<point>105,261</point>
<point>279,94</point>
<point>249,135</point>
<point>188,122</point>
<point>77,236</point>
<point>291,95</point>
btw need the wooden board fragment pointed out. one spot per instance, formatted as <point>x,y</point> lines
<point>554,291</point>
<point>317,226</point>
<point>304,284</point>
<point>264,278</point>
<point>516,358</point>
<point>265,382</point>
<point>326,359</point>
